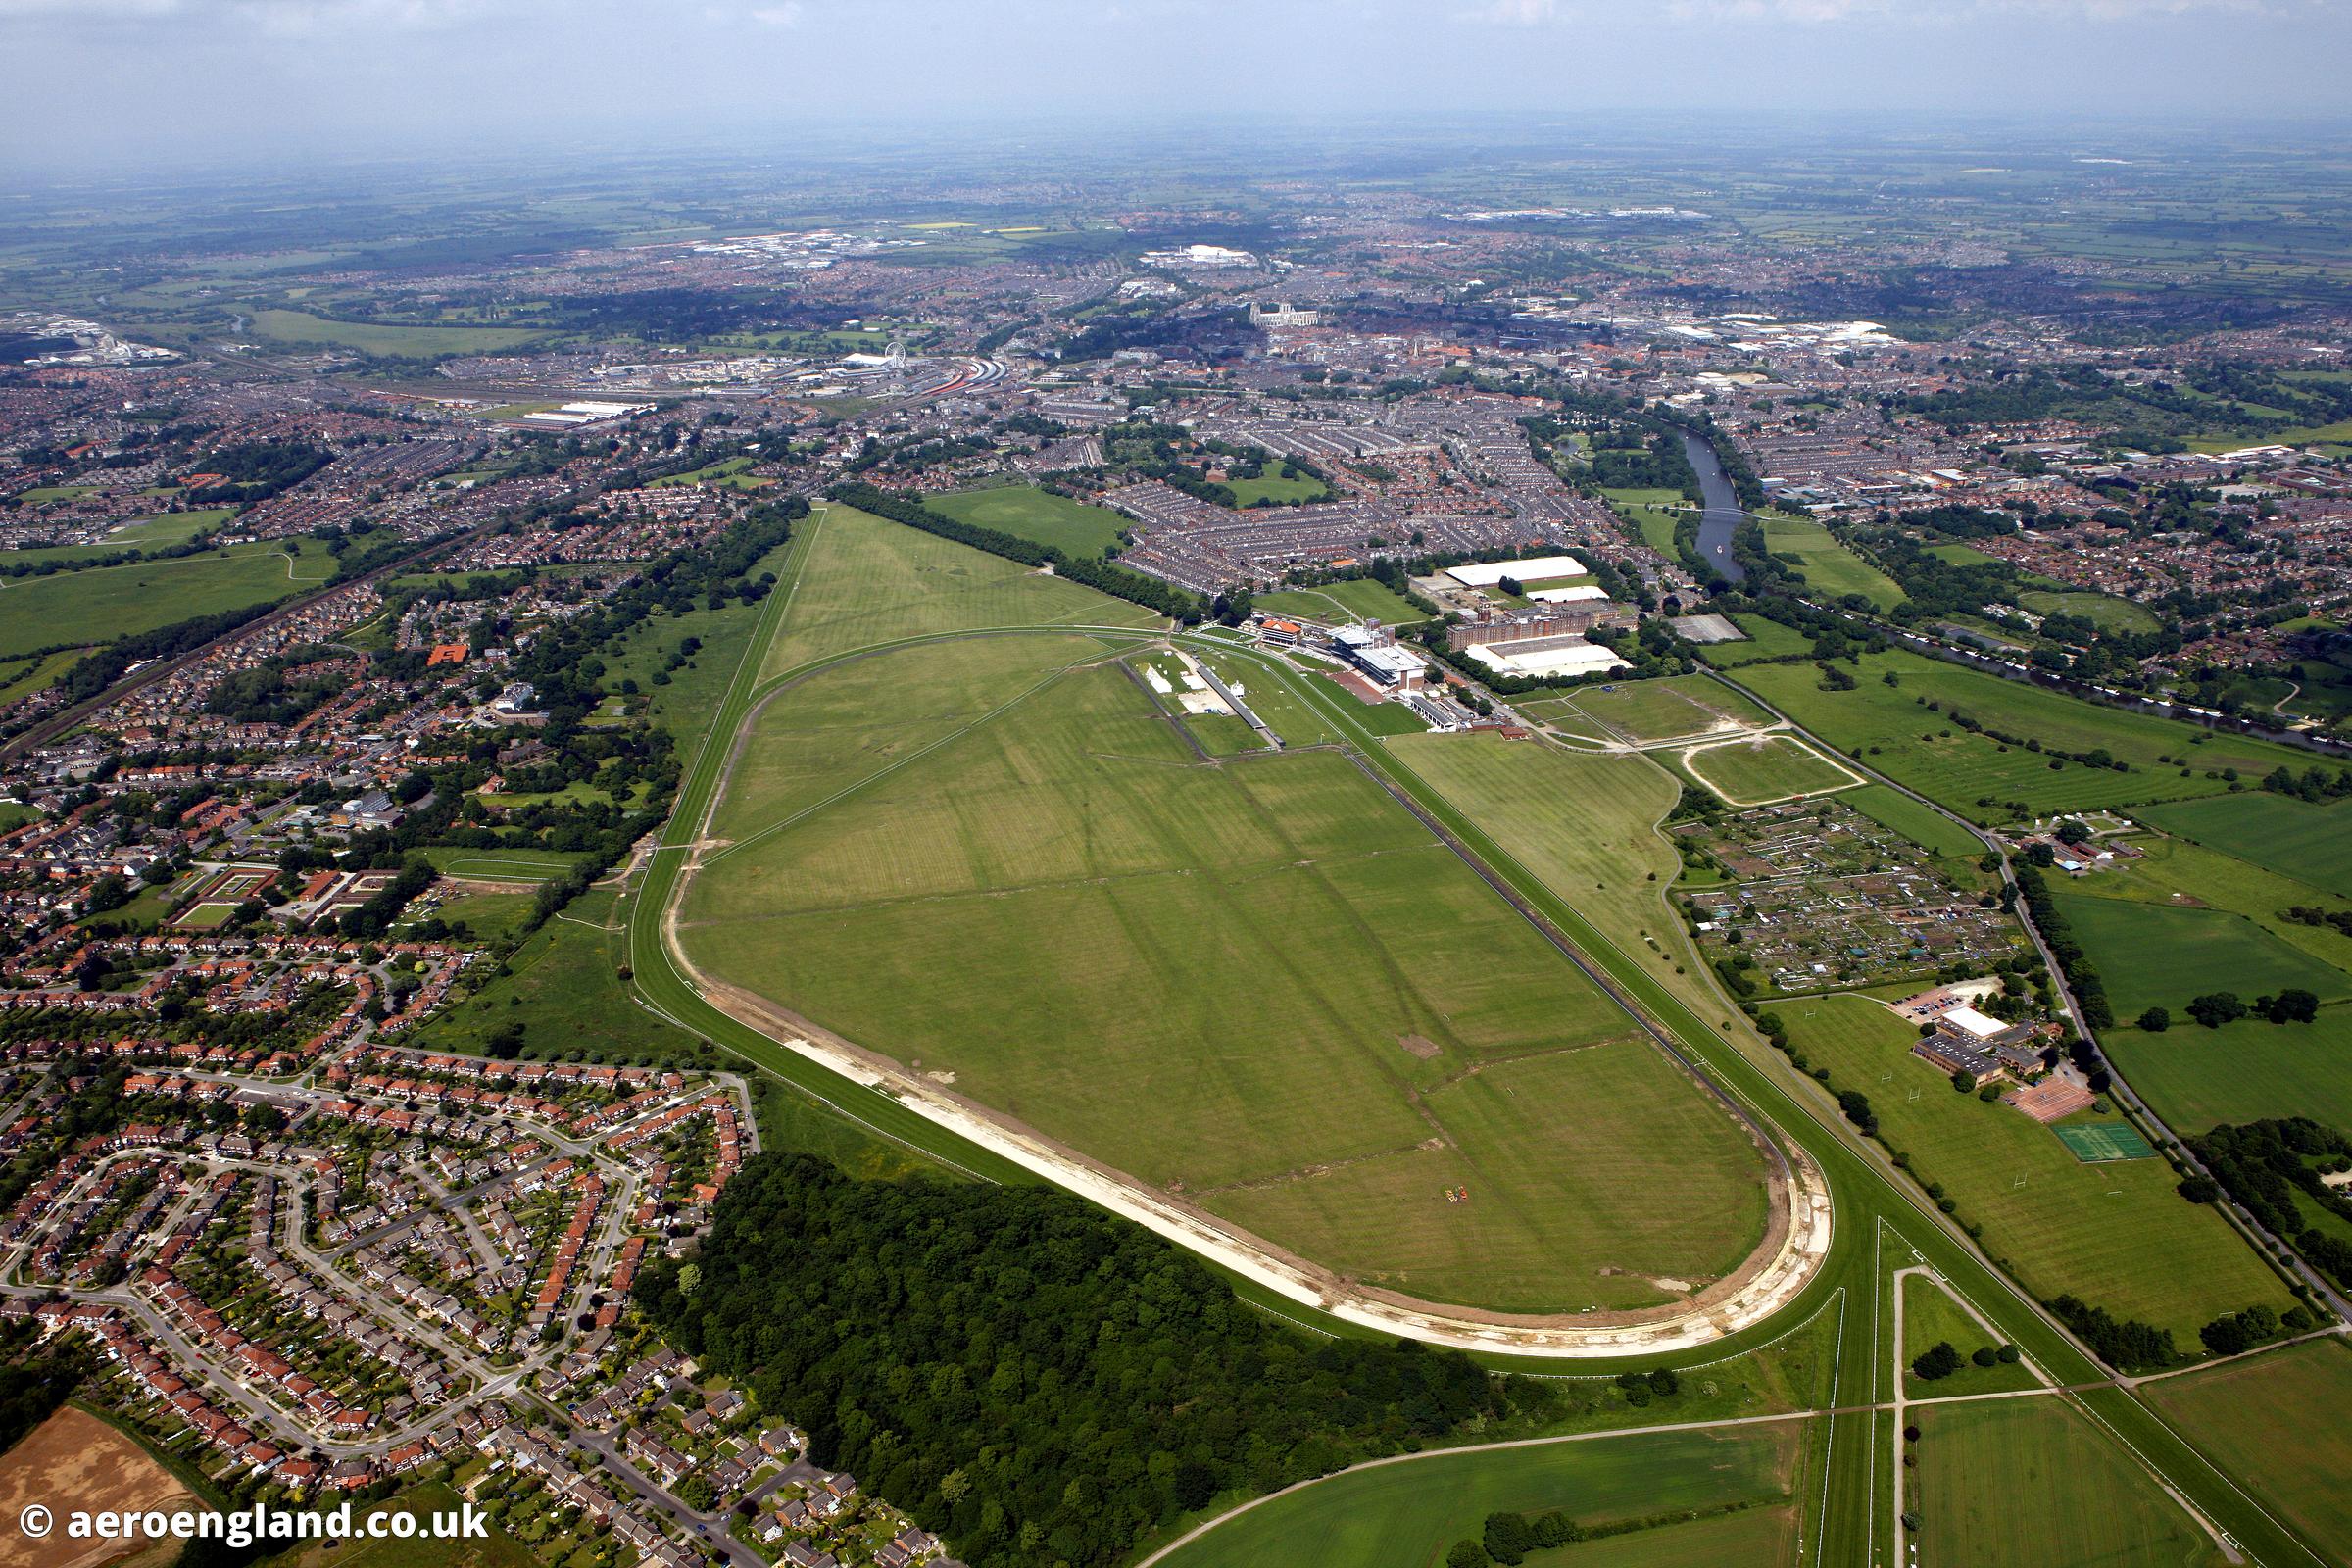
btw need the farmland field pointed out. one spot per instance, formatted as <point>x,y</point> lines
<point>75,1461</point>
<point>1347,1043</point>
<point>867,581</point>
<point>2034,1482</point>
<point>1768,767</point>
<point>104,603</point>
<point>1829,567</point>
<point>1409,1515</point>
<point>1665,710</point>
<point>1038,516</point>
<point>1899,736</point>
<point>2310,842</point>
<point>2151,955</point>
<point>2178,874</point>
<point>2199,1078</point>
<point>2117,1235</point>
<point>2239,1412</point>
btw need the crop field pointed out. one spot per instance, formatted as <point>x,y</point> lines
<point>1769,768</point>
<point>1410,1515</point>
<point>1679,705</point>
<point>867,580</point>
<point>1358,598</point>
<point>1829,567</point>
<point>1932,1315</point>
<point>72,1460</point>
<point>1328,1014</point>
<point>2200,1078</point>
<point>2312,844</point>
<point>2239,1412</point>
<point>2034,1482</point>
<point>2152,956</point>
<point>1039,516</point>
<point>1584,825</point>
<point>1767,639</point>
<point>1924,750</point>
<point>2118,1236</point>
<point>104,603</point>
<point>2176,873</point>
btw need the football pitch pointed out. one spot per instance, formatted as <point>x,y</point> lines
<point>2104,1142</point>
<point>1258,985</point>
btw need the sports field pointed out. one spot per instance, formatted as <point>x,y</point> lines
<point>1769,768</point>
<point>2311,844</point>
<point>1932,1315</point>
<point>1409,1515</point>
<point>2152,956</point>
<point>2200,1078</point>
<point>867,580</point>
<point>104,603</point>
<point>1925,750</point>
<point>2118,1236</point>
<point>1829,567</point>
<point>2099,1142</point>
<point>1038,516</point>
<point>1342,1038</point>
<point>1679,705</point>
<point>2032,1482</point>
<point>2239,1413</point>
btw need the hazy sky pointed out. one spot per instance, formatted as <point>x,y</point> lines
<point>106,82</point>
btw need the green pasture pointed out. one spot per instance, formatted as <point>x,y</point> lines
<point>1830,568</point>
<point>1767,767</point>
<point>2276,1421</point>
<point>98,605</point>
<point>1038,516</point>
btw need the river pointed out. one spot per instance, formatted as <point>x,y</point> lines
<point>1723,514</point>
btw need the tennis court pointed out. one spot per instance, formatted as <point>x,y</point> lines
<point>2096,1144</point>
